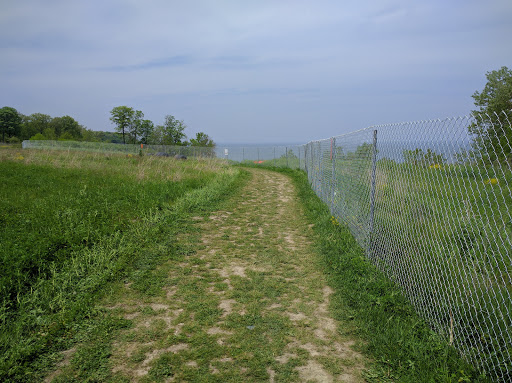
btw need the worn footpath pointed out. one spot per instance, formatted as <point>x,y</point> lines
<point>249,303</point>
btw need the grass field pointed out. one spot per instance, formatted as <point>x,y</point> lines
<point>71,223</point>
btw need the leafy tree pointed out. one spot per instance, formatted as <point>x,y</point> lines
<point>89,135</point>
<point>156,137</point>
<point>146,129</point>
<point>202,139</point>
<point>422,158</point>
<point>134,126</point>
<point>10,122</point>
<point>172,132</point>
<point>122,116</point>
<point>363,152</point>
<point>33,124</point>
<point>492,130</point>
<point>290,154</point>
<point>66,124</point>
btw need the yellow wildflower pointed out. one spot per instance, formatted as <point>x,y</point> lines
<point>492,181</point>
<point>435,166</point>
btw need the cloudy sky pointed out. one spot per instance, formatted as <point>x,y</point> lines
<point>267,71</point>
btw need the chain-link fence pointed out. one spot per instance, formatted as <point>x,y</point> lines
<point>107,147</point>
<point>431,203</point>
<point>278,156</point>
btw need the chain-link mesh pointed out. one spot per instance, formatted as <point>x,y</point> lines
<point>279,156</point>
<point>431,203</point>
<point>159,150</point>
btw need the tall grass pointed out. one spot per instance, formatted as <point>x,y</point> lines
<point>72,222</point>
<point>401,344</point>
<point>441,233</point>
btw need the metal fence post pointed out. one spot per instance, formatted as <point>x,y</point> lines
<point>319,175</point>
<point>286,151</point>
<point>333,177</point>
<point>373,183</point>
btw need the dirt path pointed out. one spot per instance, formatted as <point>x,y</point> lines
<point>248,305</point>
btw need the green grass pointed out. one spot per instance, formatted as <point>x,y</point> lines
<point>401,344</point>
<point>448,230</point>
<point>442,233</point>
<point>73,223</point>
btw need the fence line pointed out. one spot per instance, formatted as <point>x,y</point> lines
<point>159,150</point>
<point>431,203</point>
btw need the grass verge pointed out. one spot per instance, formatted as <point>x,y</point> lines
<point>399,342</point>
<point>113,217</point>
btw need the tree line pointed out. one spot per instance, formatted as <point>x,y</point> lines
<point>130,126</point>
<point>134,129</point>
<point>16,127</point>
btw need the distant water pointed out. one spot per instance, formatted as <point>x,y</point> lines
<point>392,150</point>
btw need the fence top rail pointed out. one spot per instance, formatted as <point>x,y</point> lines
<point>453,120</point>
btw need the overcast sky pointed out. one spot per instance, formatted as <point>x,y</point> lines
<point>265,71</point>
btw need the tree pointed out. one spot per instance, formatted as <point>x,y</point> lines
<point>156,137</point>
<point>10,122</point>
<point>122,116</point>
<point>422,158</point>
<point>33,124</point>
<point>172,132</point>
<point>491,129</point>
<point>202,139</point>
<point>146,129</point>
<point>66,124</point>
<point>134,126</point>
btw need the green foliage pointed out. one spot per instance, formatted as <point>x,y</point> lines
<point>173,131</point>
<point>39,137</point>
<point>67,126</point>
<point>33,124</point>
<point>122,117</point>
<point>364,151</point>
<point>10,122</point>
<point>427,158</point>
<point>145,129</point>
<point>492,129</point>
<point>38,126</point>
<point>131,123</point>
<point>202,139</point>
<point>400,343</point>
